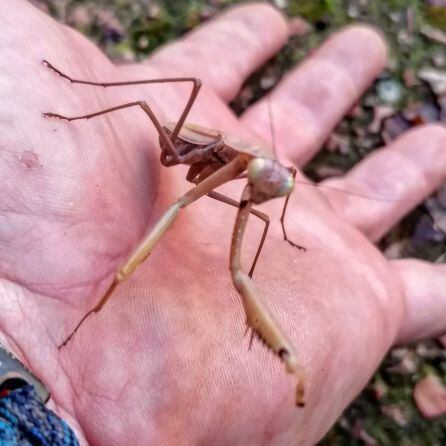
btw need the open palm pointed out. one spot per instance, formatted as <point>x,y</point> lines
<point>165,361</point>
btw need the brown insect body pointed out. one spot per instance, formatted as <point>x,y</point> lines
<point>208,150</point>
<point>214,159</point>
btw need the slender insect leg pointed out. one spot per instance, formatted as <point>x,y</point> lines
<point>258,317</point>
<point>194,93</point>
<point>145,247</point>
<point>282,217</point>
<point>163,135</point>
<point>224,199</point>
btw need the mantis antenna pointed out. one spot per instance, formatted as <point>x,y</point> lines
<point>272,129</point>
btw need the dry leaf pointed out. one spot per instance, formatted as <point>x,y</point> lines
<point>430,396</point>
<point>433,34</point>
<point>396,413</point>
<point>435,78</point>
<point>298,26</point>
<point>380,113</point>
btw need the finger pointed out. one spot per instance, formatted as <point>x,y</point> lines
<point>310,101</point>
<point>425,291</point>
<point>404,173</point>
<point>224,52</point>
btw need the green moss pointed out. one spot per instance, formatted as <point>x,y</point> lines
<point>151,34</point>
<point>436,16</point>
<point>311,10</point>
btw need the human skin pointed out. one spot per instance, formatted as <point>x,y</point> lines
<point>165,361</point>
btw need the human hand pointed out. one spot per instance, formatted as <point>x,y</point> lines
<point>165,361</point>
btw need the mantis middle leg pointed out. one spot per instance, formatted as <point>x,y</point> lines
<point>282,217</point>
<point>146,246</point>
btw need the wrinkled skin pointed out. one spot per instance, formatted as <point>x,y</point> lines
<point>165,361</point>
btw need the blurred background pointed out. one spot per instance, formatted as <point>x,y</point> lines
<point>405,402</point>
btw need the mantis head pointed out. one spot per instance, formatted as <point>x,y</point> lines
<point>268,179</point>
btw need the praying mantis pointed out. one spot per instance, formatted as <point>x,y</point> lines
<point>214,159</point>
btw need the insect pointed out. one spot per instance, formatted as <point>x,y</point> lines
<point>214,160</point>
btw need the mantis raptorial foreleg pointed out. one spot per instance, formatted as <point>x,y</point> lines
<point>224,199</point>
<point>258,317</point>
<point>145,247</point>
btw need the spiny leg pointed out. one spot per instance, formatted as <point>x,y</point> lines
<point>282,217</point>
<point>251,337</point>
<point>224,199</point>
<point>194,93</point>
<point>258,317</point>
<point>145,247</point>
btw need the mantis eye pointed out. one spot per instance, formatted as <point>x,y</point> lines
<point>257,168</point>
<point>287,186</point>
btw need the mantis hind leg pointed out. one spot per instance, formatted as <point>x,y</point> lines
<point>193,95</point>
<point>143,105</point>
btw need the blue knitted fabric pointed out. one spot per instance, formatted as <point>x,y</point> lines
<point>25,421</point>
